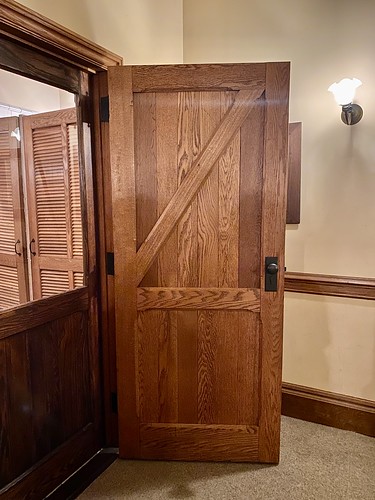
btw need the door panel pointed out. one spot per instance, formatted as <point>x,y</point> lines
<point>199,157</point>
<point>54,204</point>
<point>13,274</point>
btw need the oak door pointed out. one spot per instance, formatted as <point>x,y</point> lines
<point>199,159</point>
<point>54,206</point>
<point>13,269</point>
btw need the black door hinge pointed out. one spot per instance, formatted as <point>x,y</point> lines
<point>104,109</point>
<point>114,406</point>
<point>110,264</point>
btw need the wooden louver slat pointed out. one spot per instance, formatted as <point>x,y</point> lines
<point>49,191</point>
<point>52,165</point>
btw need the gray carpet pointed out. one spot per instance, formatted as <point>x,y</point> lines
<point>317,463</point>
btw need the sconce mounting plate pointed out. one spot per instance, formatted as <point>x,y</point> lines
<point>351,114</point>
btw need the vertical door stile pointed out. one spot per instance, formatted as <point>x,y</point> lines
<point>124,239</point>
<point>273,244</point>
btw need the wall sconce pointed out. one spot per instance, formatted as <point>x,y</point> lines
<point>344,93</point>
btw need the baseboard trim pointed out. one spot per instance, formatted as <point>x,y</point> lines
<point>56,467</point>
<point>328,408</point>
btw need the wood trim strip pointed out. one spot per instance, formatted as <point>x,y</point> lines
<point>8,260</point>
<point>61,264</point>
<point>199,170</point>
<point>198,298</point>
<point>188,442</point>
<point>33,314</point>
<point>337,286</point>
<point>186,77</point>
<point>30,64</point>
<point>328,408</point>
<point>33,29</point>
<point>47,474</point>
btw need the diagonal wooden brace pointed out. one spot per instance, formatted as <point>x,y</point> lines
<point>202,166</point>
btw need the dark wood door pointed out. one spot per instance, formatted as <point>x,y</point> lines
<point>49,358</point>
<point>199,160</point>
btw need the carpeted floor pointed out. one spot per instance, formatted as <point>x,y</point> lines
<point>317,463</point>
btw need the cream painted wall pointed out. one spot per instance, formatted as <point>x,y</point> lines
<point>329,344</point>
<point>141,31</point>
<point>20,92</point>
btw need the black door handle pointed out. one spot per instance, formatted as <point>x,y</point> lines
<point>15,248</point>
<point>272,270</point>
<point>30,247</point>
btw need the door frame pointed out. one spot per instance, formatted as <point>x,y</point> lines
<point>38,48</point>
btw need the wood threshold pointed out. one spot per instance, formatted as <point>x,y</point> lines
<point>325,284</point>
<point>34,30</point>
<point>328,408</point>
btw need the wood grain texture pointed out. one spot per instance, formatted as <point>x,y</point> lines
<point>189,77</point>
<point>252,157</point>
<point>33,29</point>
<point>199,170</point>
<point>327,408</point>
<point>229,182</point>
<point>293,207</point>
<point>198,298</point>
<point>273,242</point>
<point>324,284</point>
<point>46,391</point>
<point>124,237</point>
<point>145,172</point>
<point>167,179</point>
<point>28,63</point>
<point>47,474</point>
<point>33,314</point>
<point>197,442</point>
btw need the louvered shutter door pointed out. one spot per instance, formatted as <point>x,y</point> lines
<point>13,286</point>
<point>53,192</point>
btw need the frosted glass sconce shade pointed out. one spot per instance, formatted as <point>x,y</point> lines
<point>344,92</point>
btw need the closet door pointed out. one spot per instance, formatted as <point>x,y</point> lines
<point>13,275</point>
<point>53,198</point>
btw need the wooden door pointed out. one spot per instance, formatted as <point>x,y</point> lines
<point>54,207</point>
<point>199,160</point>
<point>13,270</point>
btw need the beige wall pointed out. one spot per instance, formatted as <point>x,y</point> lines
<point>329,343</point>
<point>141,31</point>
<point>20,92</point>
